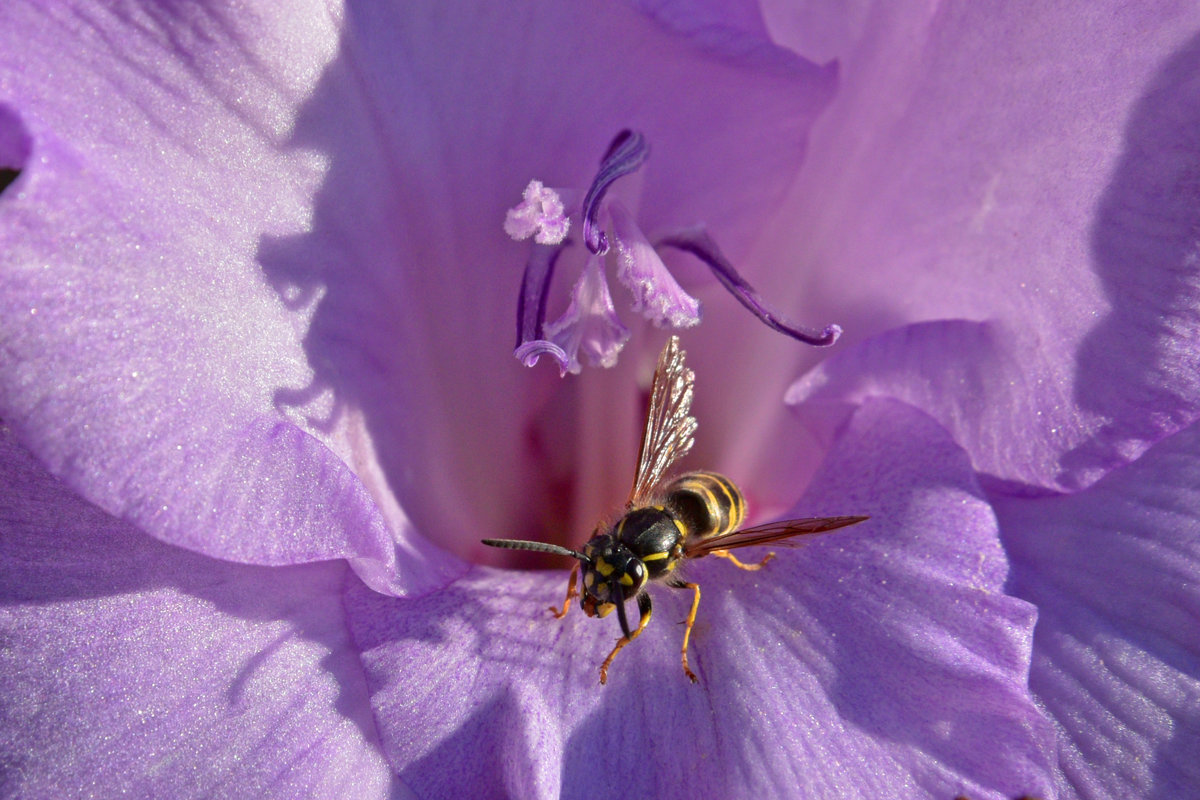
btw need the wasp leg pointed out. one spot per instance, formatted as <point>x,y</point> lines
<point>644,606</point>
<point>741,564</point>
<point>691,620</point>
<point>572,592</point>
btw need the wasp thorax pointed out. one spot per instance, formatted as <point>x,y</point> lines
<point>613,574</point>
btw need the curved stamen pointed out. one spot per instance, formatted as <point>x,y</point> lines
<point>535,287</point>
<point>531,308</point>
<point>627,152</point>
<point>700,244</point>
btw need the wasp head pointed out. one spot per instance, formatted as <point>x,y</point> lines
<point>612,574</point>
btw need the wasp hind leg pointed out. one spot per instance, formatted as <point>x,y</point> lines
<point>572,592</point>
<point>737,562</point>
<point>644,608</point>
<point>691,620</point>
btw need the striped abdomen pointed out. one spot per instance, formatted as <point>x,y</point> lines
<point>706,503</point>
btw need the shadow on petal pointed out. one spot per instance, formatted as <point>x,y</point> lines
<point>135,667</point>
<point>1140,366</point>
<point>14,146</point>
<point>1113,570</point>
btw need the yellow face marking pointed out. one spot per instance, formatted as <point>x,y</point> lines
<point>589,580</point>
<point>604,609</point>
<point>627,579</point>
<point>656,556</point>
<point>603,567</point>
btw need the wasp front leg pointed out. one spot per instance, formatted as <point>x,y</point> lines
<point>741,564</point>
<point>644,608</point>
<point>691,620</point>
<point>572,593</point>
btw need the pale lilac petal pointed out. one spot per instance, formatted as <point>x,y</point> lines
<point>726,25</point>
<point>964,374</point>
<point>145,356</point>
<point>590,323</point>
<point>132,668</point>
<point>879,661</point>
<point>656,293</point>
<point>1033,166</point>
<point>1113,572</point>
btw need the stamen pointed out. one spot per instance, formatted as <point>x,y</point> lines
<point>656,293</point>
<point>590,323</point>
<point>531,309</point>
<point>540,215</point>
<point>626,153</point>
<point>700,244</point>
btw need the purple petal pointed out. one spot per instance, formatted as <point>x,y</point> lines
<point>656,294</point>
<point>1063,208</point>
<point>964,374</point>
<point>1113,571</point>
<point>131,668</point>
<point>590,322</point>
<point>879,661</point>
<point>145,357</point>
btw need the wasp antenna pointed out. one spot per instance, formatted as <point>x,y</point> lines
<point>537,547</point>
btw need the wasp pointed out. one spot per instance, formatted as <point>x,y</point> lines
<point>666,523</point>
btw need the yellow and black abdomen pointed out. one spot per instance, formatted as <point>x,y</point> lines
<point>706,503</point>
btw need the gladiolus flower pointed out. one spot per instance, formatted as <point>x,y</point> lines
<point>259,404</point>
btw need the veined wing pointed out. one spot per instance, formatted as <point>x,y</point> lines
<point>669,426</point>
<point>781,532</point>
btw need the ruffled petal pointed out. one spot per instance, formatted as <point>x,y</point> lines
<point>1113,571</point>
<point>879,661</point>
<point>145,356</point>
<point>964,374</point>
<point>131,668</point>
<point>1033,167</point>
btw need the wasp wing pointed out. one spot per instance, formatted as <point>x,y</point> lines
<point>770,533</point>
<point>669,426</point>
